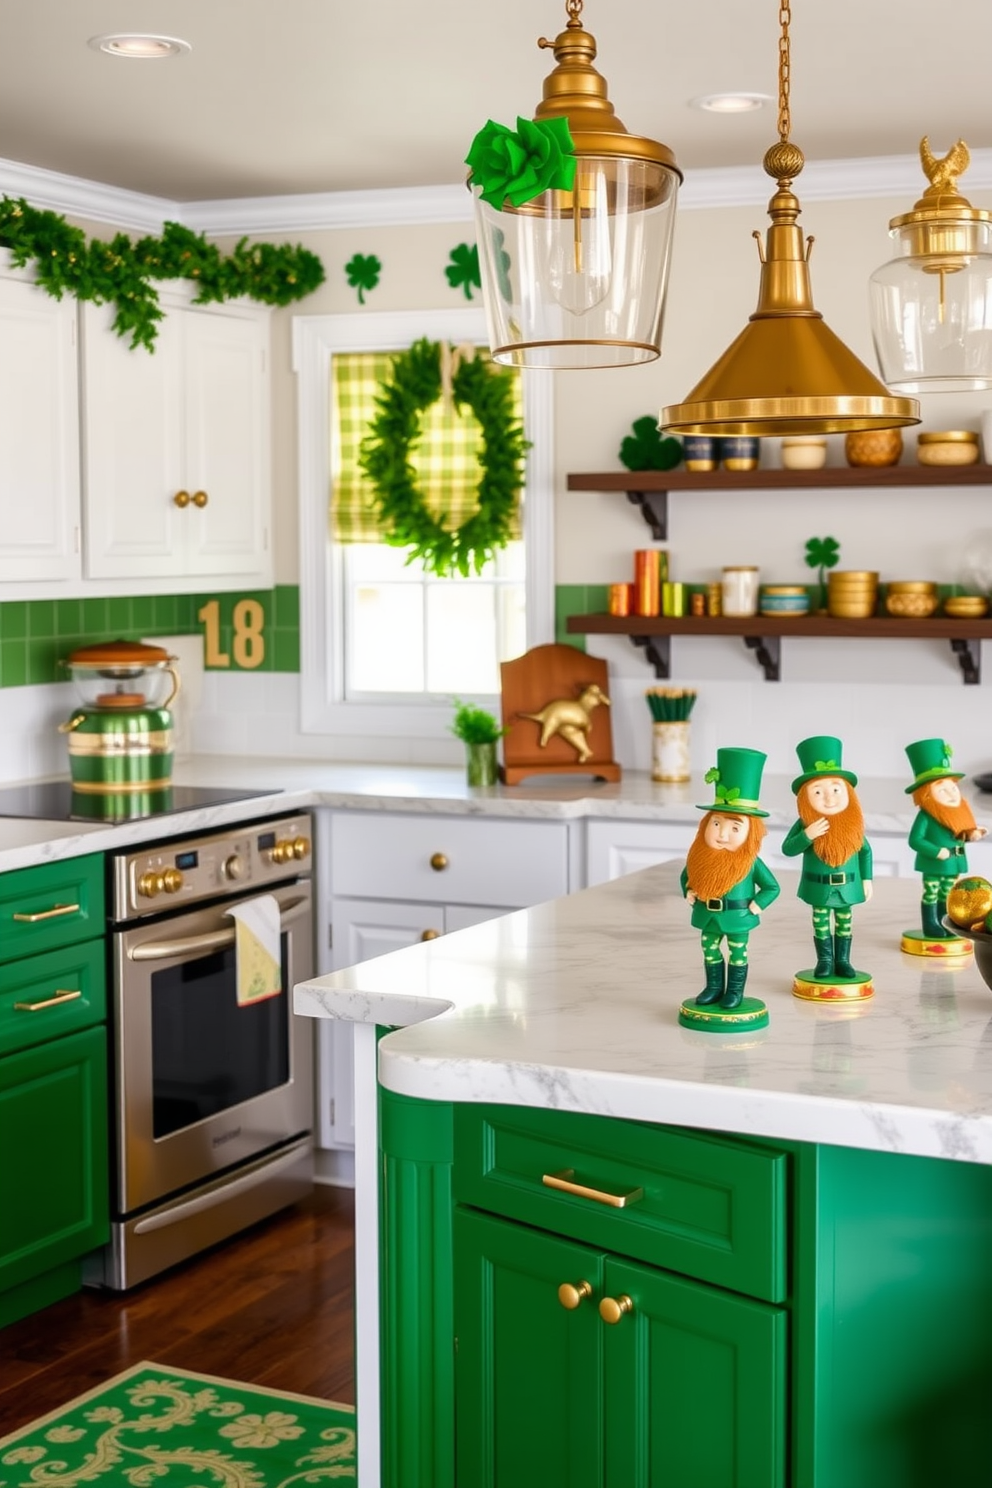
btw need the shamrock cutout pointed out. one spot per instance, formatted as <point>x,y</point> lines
<point>464,268</point>
<point>727,794</point>
<point>645,449</point>
<point>363,273</point>
<point>822,553</point>
<point>711,775</point>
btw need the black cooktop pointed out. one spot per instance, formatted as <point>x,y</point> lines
<point>55,800</point>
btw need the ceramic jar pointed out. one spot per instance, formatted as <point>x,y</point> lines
<point>948,447</point>
<point>740,591</point>
<point>873,448</point>
<point>670,751</point>
<point>804,452</point>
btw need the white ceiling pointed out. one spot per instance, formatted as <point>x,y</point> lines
<point>287,96</point>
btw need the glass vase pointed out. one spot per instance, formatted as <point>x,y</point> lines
<point>480,763</point>
<point>670,751</point>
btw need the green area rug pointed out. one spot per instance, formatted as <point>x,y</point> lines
<point>156,1427</point>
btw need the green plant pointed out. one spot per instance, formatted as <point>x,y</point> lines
<point>474,725</point>
<point>645,449</point>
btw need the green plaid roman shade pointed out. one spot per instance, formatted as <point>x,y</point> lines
<point>445,458</point>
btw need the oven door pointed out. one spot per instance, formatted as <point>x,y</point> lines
<point>203,1083</point>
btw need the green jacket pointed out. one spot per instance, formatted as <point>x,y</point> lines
<point>760,884</point>
<point>815,886</point>
<point>926,838</point>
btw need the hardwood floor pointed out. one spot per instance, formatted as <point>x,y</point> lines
<point>274,1306</point>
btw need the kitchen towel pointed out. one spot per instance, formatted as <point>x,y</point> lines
<point>257,949</point>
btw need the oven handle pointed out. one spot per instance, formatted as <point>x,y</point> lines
<point>220,1195</point>
<point>213,940</point>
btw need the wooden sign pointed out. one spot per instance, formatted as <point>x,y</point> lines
<point>556,706</point>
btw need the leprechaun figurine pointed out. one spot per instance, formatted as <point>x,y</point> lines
<point>836,867</point>
<point>944,823</point>
<point>728,887</point>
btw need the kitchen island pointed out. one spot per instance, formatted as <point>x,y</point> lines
<point>800,1293</point>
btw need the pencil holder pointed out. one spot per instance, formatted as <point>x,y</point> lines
<point>670,751</point>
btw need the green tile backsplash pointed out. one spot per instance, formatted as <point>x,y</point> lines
<point>258,630</point>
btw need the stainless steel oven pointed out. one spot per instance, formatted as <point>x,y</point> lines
<point>212,1098</point>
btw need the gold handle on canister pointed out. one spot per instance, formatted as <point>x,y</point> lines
<point>612,1309</point>
<point>46,914</point>
<point>439,862</point>
<point>60,997</point>
<point>564,1181</point>
<point>182,499</point>
<point>571,1296</point>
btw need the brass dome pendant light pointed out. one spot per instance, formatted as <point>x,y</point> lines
<point>787,373</point>
<point>576,277</point>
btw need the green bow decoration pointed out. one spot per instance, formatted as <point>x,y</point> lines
<point>826,764</point>
<point>712,774</point>
<point>727,793</point>
<point>516,166</point>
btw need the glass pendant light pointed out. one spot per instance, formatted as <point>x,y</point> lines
<point>931,307</point>
<point>787,373</point>
<point>577,278</point>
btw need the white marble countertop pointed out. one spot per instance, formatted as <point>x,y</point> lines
<point>291,785</point>
<point>573,1005</point>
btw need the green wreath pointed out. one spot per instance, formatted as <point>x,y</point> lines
<point>414,384</point>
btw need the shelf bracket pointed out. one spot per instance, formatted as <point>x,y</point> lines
<point>768,654</point>
<point>658,650</point>
<point>969,661</point>
<point>653,510</point>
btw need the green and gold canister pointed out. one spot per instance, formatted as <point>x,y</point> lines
<point>120,741</point>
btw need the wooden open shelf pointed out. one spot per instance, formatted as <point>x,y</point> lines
<point>763,634</point>
<point>648,489</point>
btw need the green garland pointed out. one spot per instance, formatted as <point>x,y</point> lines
<point>415,383</point>
<point>121,272</point>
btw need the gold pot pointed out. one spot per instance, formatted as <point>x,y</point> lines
<point>873,447</point>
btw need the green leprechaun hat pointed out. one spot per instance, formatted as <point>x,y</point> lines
<point>737,780</point>
<point>930,759</point>
<point>821,755</point>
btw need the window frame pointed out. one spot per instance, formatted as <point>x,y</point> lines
<point>316,340</point>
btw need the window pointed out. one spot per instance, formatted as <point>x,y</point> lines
<point>384,645</point>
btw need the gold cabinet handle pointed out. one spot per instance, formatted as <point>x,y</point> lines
<point>439,862</point>
<point>612,1309</point>
<point>56,1001</point>
<point>182,499</point>
<point>200,499</point>
<point>570,1296</point>
<point>564,1181</point>
<point>46,914</point>
<point>430,935</point>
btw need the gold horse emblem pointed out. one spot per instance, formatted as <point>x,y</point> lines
<point>570,719</point>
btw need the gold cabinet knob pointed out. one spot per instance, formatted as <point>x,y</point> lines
<point>430,934</point>
<point>612,1309</point>
<point>234,867</point>
<point>182,499</point>
<point>150,884</point>
<point>439,862</point>
<point>570,1296</point>
<point>301,847</point>
<point>282,852</point>
<point>200,499</point>
<point>172,880</point>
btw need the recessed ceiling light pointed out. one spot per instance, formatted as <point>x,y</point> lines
<point>141,48</point>
<point>730,103</point>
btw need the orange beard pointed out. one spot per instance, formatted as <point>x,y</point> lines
<point>957,819</point>
<point>713,871</point>
<point>847,829</point>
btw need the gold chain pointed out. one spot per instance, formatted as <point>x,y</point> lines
<point>784,117</point>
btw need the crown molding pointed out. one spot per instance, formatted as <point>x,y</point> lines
<point>876,176</point>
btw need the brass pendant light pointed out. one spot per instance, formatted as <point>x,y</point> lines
<point>787,373</point>
<point>577,278</point>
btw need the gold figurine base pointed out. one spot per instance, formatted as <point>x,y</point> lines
<point>956,950</point>
<point>832,989</point>
<point>750,1013</point>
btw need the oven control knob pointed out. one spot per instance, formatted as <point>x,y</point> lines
<point>301,847</point>
<point>234,867</point>
<point>150,884</point>
<point>282,852</point>
<point>172,880</point>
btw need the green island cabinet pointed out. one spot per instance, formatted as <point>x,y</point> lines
<point>774,1313</point>
<point>54,1202</point>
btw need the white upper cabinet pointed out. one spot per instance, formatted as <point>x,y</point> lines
<point>176,466</point>
<point>39,434</point>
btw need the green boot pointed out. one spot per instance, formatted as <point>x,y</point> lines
<point>824,948</point>
<point>943,932</point>
<point>842,957</point>
<point>736,980</point>
<point>713,991</point>
<point>930,918</point>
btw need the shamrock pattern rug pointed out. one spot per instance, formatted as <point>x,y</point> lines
<point>157,1427</point>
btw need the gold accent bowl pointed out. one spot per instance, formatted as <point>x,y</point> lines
<point>966,606</point>
<point>910,605</point>
<point>947,447</point>
<point>912,586</point>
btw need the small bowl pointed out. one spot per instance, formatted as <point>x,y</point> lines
<point>911,606</point>
<point>966,606</point>
<point>804,452</point>
<point>947,447</point>
<point>912,586</point>
<point>783,599</point>
<point>851,609</point>
<point>850,574</point>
